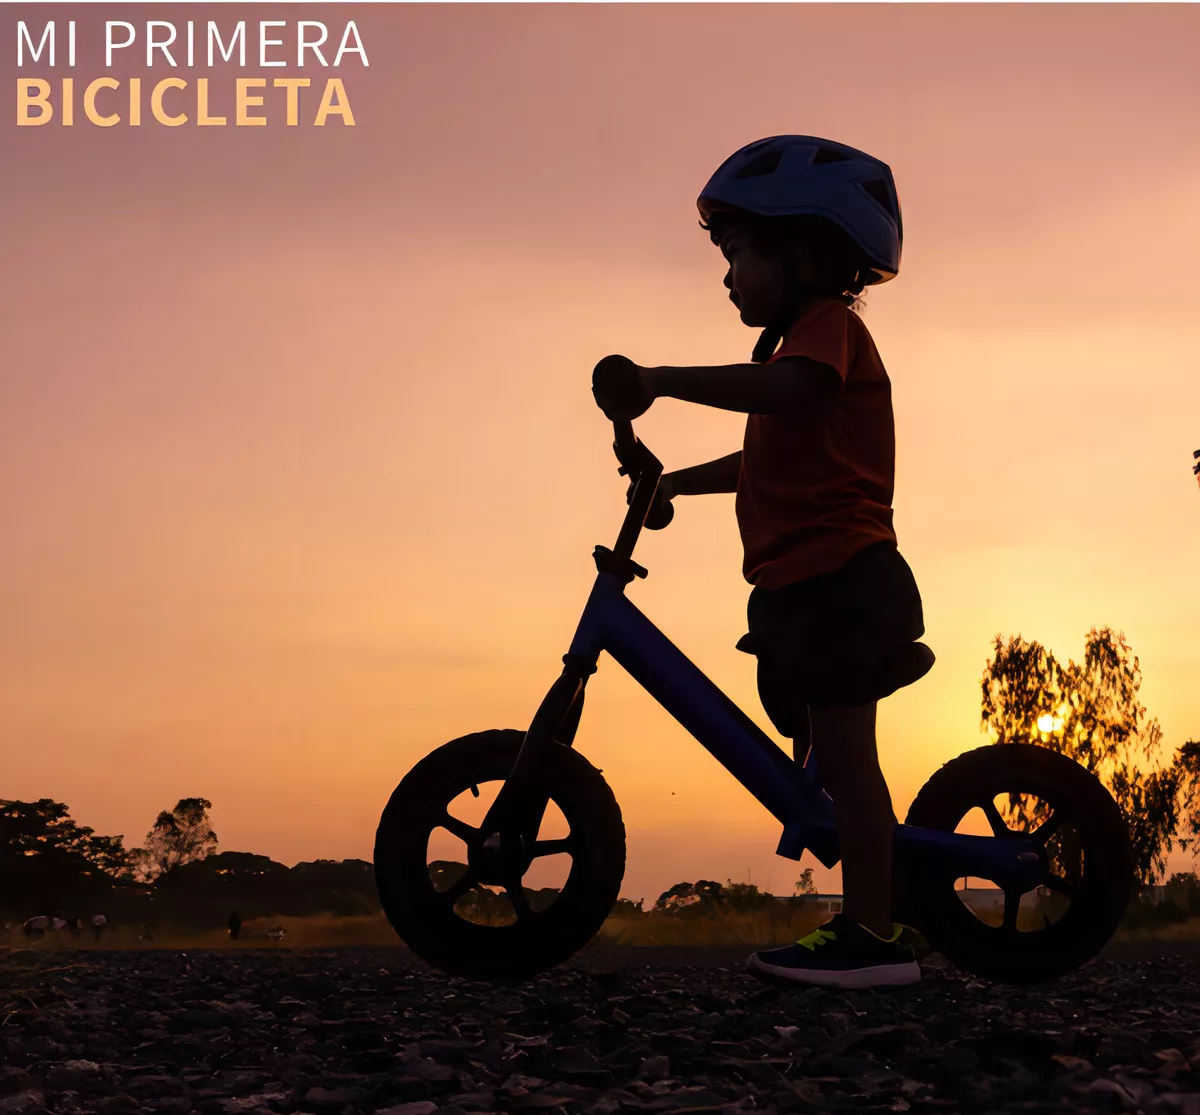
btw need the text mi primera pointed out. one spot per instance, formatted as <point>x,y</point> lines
<point>106,101</point>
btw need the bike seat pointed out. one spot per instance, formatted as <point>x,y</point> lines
<point>910,663</point>
<point>902,667</point>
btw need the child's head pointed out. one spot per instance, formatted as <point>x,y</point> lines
<point>772,259</point>
<point>801,218</point>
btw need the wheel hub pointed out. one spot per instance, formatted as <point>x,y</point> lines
<point>498,859</point>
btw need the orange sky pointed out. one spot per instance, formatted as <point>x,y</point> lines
<point>299,466</point>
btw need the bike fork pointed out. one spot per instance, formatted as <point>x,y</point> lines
<point>521,802</point>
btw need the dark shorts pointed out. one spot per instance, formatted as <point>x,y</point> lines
<point>820,643</point>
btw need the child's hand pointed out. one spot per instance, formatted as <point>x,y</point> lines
<point>665,493</point>
<point>661,511</point>
<point>621,388</point>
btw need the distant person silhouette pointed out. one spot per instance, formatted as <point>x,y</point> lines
<point>99,921</point>
<point>235,925</point>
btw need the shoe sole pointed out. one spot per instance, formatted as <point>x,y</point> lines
<point>884,975</point>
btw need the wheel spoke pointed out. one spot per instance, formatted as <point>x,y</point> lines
<point>459,887</point>
<point>999,828</point>
<point>1047,828</point>
<point>458,828</point>
<point>553,847</point>
<point>520,903</point>
<point>1012,905</point>
<point>1058,883</point>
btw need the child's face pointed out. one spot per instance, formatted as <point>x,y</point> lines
<point>755,282</point>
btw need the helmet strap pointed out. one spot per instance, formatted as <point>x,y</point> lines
<point>768,342</point>
<point>793,302</point>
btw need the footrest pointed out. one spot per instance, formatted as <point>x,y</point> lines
<point>820,840</point>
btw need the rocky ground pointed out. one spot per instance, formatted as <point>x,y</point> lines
<point>671,1031</point>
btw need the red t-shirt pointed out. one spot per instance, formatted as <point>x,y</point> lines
<point>815,485</point>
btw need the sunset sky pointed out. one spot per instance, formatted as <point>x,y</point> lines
<point>300,470</point>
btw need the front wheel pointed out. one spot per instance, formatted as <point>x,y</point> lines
<point>1084,840</point>
<point>442,911</point>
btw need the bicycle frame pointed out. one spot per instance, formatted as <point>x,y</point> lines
<point>789,791</point>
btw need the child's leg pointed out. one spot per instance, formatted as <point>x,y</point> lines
<point>844,745</point>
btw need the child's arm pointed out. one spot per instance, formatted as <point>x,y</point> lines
<point>712,476</point>
<point>625,390</point>
<point>789,383</point>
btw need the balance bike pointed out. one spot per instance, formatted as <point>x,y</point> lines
<point>1077,858</point>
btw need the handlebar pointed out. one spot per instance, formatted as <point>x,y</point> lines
<point>624,443</point>
<point>644,471</point>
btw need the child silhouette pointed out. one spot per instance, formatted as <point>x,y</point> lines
<point>805,224</point>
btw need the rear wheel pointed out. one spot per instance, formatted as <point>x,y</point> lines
<point>437,904</point>
<point>1029,791</point>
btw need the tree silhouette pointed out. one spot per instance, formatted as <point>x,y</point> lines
<point>700,897</point>
<point>1090,713</point>
<point>745,898</point>
<point>182,835</point>
<point>1183,888</point>
<point>805,884</point>
<point>46,858</point>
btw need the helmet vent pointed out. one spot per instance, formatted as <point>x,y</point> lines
<point>877,189</point>
<point>829,155</point>
<point>762,165</point>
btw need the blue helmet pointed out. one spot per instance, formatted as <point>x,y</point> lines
<point>804,175</point>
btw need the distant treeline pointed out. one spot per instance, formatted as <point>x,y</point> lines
<point>51,866</point>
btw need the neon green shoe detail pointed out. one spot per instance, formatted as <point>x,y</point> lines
<point>817,937</point>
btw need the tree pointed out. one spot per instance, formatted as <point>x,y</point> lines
<point>343,888</point>
<point>1183,888</point>
<point>334,875</point>
<point>700,897</point>
<point>805,884</point>
<point>180,836</point>
<point>1090,713</point>
<point>745,898</point>
<point>224,872</point>
<point>47,859</point>
<point>240,879</point>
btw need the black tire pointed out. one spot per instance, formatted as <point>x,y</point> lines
<point>538,940</point>
<point>1098,897</point>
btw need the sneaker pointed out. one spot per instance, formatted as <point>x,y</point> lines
<point>841,953</point>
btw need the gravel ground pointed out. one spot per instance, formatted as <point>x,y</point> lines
<point>617,1029</point>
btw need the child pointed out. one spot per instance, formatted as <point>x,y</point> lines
<point>805,224</point>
